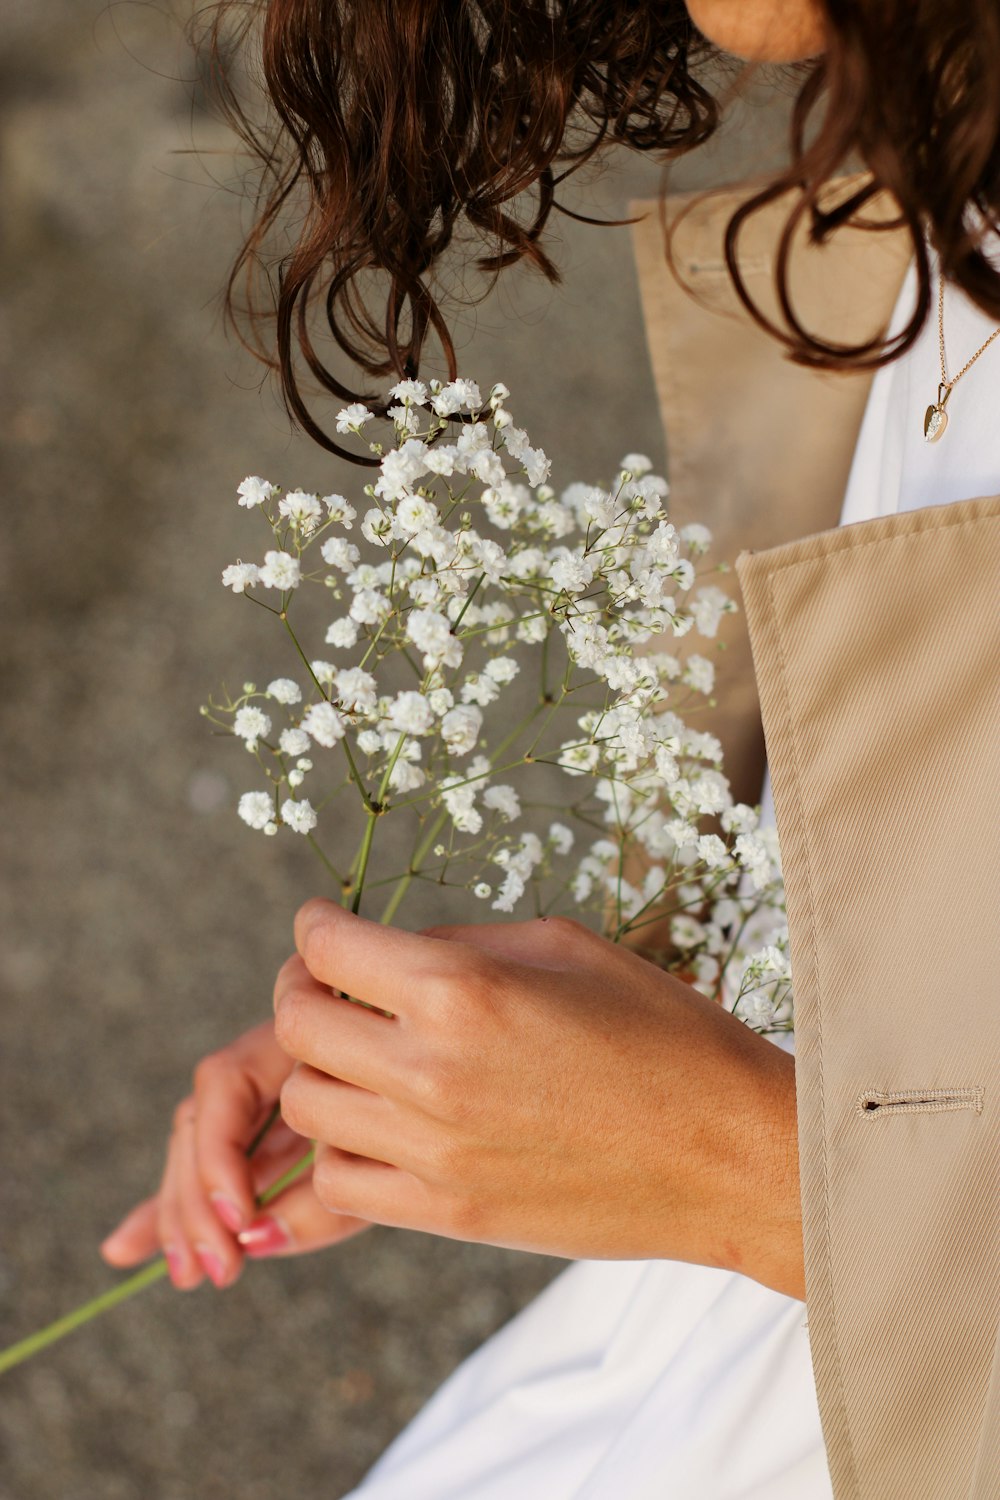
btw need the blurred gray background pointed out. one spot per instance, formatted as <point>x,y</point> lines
<point>141,923</point>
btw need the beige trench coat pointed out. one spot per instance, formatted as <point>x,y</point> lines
<point>875,667</point>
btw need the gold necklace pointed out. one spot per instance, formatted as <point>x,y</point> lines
<point>936,418</point>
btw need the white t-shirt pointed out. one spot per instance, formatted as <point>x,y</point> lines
<point>658,1380</point>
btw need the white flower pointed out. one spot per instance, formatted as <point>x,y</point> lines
<point>240,576</point>
<point>342,633</point>
<point>459,801</point>
<point>478,688</point>
<point>686,932</point>
<point>708,606</point>
<point>406,777</point>
<point>751,852</point>
<point>534,629</point>
<point>456,395</point>
<point>369,741</point>
<point>256,808</point>
<point>561,838</point>
<point>430,632</point>
<point>441,459</point>
<point>302,509</point>
<point>411,713</point>
<point>502,669</point>
<point>510,892</point>
<point>284,690</point>
<point>377,527</point>
<point>369,607</point>
<point>400,468</point>
<point>440,700</point>
<point>460,728</point>
<point>699,673</point>
<point>482,890</point>
<point>293,742</point>
<point>740,818</point>
<point>409,390</point>
<point>706,968</point>
<point>251,724</point>
<point>571,571</point>
<point>357,690</point>
<point>323,671</point>
<point>299,816</point>
<point>323,723</point>
<point>340,553</point>
<point>536,465</point>
<point>504,503</point>
<point>280,571</point>
<point>666,764</point>
<point>637,464</point>
<point>355,415</point>
<point>697,538</point>
<point>758,1007</point>
<point>415,513</point>
<point>504,800</point>
<point>254,491</point>
<point>713,851</point>
<point>341,512</point>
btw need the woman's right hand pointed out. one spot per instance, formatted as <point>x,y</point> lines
<point>204,1216</point>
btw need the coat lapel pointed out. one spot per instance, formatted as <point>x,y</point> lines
<point>876,649</point>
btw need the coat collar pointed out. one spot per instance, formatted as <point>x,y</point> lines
<point>759,448</point>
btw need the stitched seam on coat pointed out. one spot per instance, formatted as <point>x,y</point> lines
<point>804,831</point>
<point>882,541</point>
<point>880,1102</point>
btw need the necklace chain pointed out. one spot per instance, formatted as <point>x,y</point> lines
<point>936,418</point>
<point>946,383</point>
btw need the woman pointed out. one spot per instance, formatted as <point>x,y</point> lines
<point>662,1147</point>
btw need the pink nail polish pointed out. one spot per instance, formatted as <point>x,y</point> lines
<point>227,1212</point>
<point>174,1264</point>
<point>214,1268</point>
<point>265,1236</point>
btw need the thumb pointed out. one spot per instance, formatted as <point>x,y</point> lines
<point>136,1237</point>
<point>294,1223</point>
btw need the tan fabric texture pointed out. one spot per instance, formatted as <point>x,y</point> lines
<point>877,653</point>
<point>759,449</point>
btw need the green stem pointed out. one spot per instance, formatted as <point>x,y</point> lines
<point>365,851</point>
<point>17,1353</point>
<point>405,881</point>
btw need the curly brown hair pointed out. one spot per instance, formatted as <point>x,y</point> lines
<point>402,124</point>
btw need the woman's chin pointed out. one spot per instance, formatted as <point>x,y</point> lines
<point>762,30</point>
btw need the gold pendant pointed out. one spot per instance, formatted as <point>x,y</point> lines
<point>935,417</point>
<point>935,422</point>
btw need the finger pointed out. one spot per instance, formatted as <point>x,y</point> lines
<point>235,1089</point>
<point>360,1188</point>
<point>296,1222</point>
<point>344,1040</point>
<point>216,1251</point>
<point>186,1270</point>
<point>135,1238</point>
<point>383,966</point>
<point>325,1109</point>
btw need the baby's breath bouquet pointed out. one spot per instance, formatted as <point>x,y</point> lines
<point>485,660</point>
<point>475,627</point>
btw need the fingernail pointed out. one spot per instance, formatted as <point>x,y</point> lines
<point>174,1264</point>
<point>227,1211</point>
<point>264,1237</point>
<point>212,1263</point>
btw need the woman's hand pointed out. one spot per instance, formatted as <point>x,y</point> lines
<point>204,1215</point>
<point>539,1087</point>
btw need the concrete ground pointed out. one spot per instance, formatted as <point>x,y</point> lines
<point>141,924</point>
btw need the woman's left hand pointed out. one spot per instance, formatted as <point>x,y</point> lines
<point>539,1087</point>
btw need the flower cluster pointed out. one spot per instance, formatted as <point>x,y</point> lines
<point>477,624</point>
